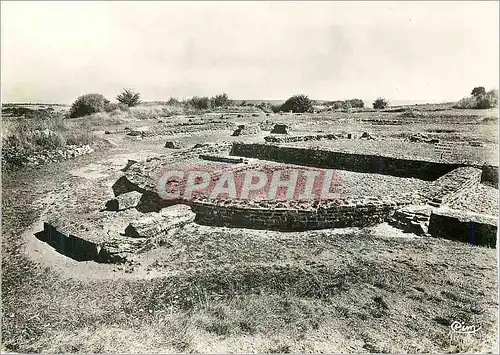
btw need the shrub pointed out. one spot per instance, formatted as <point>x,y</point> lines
<point>268,107</point>
<point>478,91</point>
<point>200,103</point>
<point>298,104</point>
<point>111,106</point>
<point>356,103</point>
<point>129,97</point>
<point>483,101</point>
<point>87,104</point>
<point>487,100</point>
<point>173,101</point>
<point>221,100</point>
<point>380,103</point>
<point>346,106</point>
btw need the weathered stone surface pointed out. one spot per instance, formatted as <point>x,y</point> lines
<point>154,224</point>
<point>135,133</point>
<point>122,185</point>
<point>246,129</point>
<point>172,145</point>
<point>448,187</point>
<point>124,201</point>
<point>489,175</point>
<point>468,227</point>
<point>130,162</point>
<point>280,129</point>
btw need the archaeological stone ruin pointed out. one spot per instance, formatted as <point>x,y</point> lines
<point>424,207</point>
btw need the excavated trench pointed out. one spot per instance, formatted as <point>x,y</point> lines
<point>72,246</point>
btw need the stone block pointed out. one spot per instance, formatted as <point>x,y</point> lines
<point>172,145</point>
<point>159,223</point>
<point>124,201</point>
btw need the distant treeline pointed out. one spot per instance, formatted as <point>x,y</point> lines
<point>29,104</point>
<point>339,104</point>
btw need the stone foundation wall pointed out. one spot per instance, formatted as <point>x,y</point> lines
<point>332,215</point>
<point>464,227</point>
<point>489,176</point>
<point>425,170</point>
<point>317,137</point>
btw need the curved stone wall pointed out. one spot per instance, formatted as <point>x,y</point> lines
<point>299,217</point>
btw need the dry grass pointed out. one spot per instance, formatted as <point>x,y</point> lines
<point>44,133</point>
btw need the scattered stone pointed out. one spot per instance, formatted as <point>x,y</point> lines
<point>422,138</point>
<point>243,130</point>
<point>135,133</point>
<point>201,145</point>
<point>124,201</point>
<point>154,224</point>
<point>366,135</point>
<point>172,145</point>
<point>280,129</point>
<point>122,186</point>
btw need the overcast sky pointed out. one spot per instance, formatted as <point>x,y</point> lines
<point>55,51</point>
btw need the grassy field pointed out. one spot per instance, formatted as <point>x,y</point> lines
<point>237,290</point>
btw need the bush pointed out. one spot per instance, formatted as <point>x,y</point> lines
<point>268,107</point>
<point>200,103</point>
<point>478,91</point>
<point>110,107</point>
<point>129,97</point>
<point>487,100</point>
<point>356,103</point>
<point>298,104</point>
<point>87,104</point>
<point>221,100</point>
<point>173,101</point>
<point>380,103</point>
<point>481,101</point>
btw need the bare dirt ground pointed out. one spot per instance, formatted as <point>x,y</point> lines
<point>217,289</point>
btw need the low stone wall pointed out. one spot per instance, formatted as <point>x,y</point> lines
<point>464,226</point>
<point>414,219</point>
<point>222,158</point>
<point>335,214</point>
<point>489,176</point>
<point>425,170</point>
<point>287,139</point>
